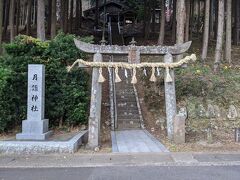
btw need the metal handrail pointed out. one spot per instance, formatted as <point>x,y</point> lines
<point>112,87</point>
<point>119,28</point>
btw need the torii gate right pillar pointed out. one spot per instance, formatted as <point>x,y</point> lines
<point>170,99</point>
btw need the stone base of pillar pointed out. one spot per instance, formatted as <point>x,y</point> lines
<point>34,130</point>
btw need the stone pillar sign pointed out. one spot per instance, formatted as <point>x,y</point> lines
<point>35,127</point>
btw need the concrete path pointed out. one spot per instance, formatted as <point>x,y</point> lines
<point>135,141</point>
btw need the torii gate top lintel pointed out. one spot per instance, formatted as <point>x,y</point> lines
<point>144,50</point>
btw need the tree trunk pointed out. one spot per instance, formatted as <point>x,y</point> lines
<point>162,25</point>
<point>174,22</point>
<point>34,13</point>
<point>11,20</point>
<point>237,21</point>
<point>191,18</point>
<point>188,10</point>
<point>29,5</point>
<point>62,15</point>
<point>228,48</point>
<point>144,18</point>
<point>80,13</point>
<point>216,19</point>
<point>53,19</point>
<point>1,24</point>
<point>148,18</point>
<point>206,30</point>
<point>6,17</point>
<point>180,16</point>
<point>66,6</point>
<point>71,16</point>
<point>97,14</point>
<point>49,17</point>
<point>218,51</point>
<point>211,21</point>
<point>199,17</point>
<point>154,15</point>
<point>77,23</point>
<point>41,20</point>
<point>17,16</point>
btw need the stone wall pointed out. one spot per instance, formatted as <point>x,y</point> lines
<point>202,115</point>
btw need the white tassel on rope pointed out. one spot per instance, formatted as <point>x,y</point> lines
<point>158,71</point>
<point>153,77</point>
<point>168,76</point>
<point>117,78</point>
<point>101,79</point>
<point>126,73</point>
<point>134,78</point>
<point>145,71</point>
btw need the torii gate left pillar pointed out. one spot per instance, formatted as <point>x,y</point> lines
<point>95,107</point>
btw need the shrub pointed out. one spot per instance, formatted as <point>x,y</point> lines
<point>6,93</point>
<point>67,94</point>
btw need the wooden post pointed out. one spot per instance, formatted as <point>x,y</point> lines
<point>170,99</point>
<point>95,108</point>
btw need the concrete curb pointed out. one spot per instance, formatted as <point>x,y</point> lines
<point>116,159</point>
<point>42,147</point>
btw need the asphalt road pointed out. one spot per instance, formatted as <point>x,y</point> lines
<point>124,173</point>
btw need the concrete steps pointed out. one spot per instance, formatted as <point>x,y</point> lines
<point>128,116</point>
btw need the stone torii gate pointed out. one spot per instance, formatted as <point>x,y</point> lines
<point>133,53</point>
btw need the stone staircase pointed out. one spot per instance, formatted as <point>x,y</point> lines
<point>116,37</point>
<point>128,114</point>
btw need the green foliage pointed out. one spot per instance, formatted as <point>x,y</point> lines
<point>198,84</point>
<point>138,6</point>
<point>6,98</point>
<point>67,94</point>
<point>191,81</point>
<point>200,81</point>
